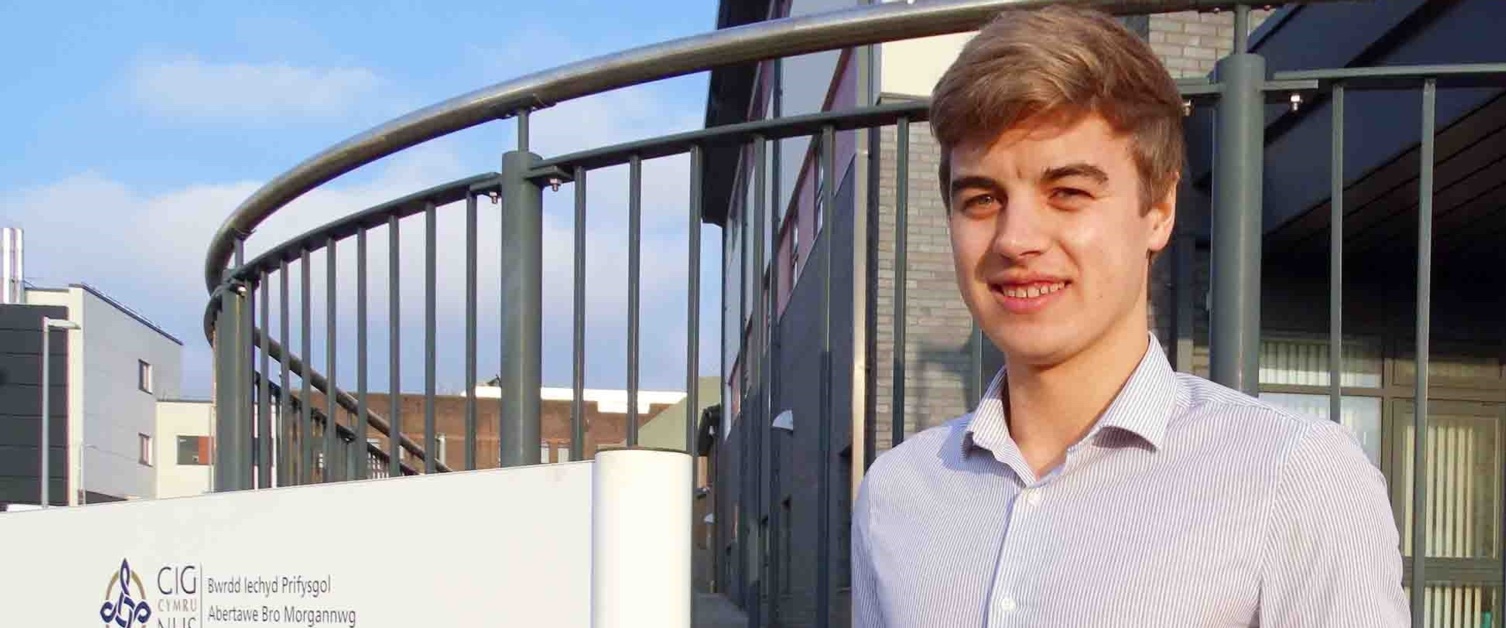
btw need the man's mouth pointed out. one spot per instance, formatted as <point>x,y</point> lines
<point>1030,290</point>
<point>1025,297</point>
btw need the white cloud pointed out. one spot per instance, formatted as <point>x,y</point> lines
<point>190,87</point>
<point>147,249</point>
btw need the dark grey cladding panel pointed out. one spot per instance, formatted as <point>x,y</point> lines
<point>26,430</point>
<point>20,461</point>
<point>28,317</point>
<point>29,340</point>
<point>23,369</point>
<point>24,400</point>
<point>17,490</point>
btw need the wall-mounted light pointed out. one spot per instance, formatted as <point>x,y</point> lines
<point>785,421</point>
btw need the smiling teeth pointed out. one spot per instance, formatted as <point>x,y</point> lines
<point>1033,291</point>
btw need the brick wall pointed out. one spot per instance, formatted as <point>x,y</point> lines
<point>602,429</point>
<point>938,325</point>
<point>1189,42</point>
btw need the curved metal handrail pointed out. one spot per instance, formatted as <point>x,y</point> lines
<point>341,228</point>
<point>753,42</point>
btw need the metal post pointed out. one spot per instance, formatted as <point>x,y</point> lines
<point>394,352</point>
<point>284,399</point>
<point>578,325</point>
<point>263,453</point>
<point>1336,261</point>
<point>760,432</point>
<point>227,399</point>
<point>431,289</point>
<point>1424,328</point>
<point>361,468</point>
<point>1239,141</point>
<point>824,428</point>
<point>693,311</point>
<point>901,264</point>
<point>44,499</point>
<point>470,331</point>
<point>306,400</point>
<point>635,237</point>
<point>244,377</point>
<point>331,407</point>
<point>522,307</point>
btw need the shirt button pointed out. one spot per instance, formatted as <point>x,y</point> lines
<point>1007,604</point>
<point>1033,497</point>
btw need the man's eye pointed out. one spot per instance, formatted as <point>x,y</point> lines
<point>1070,194</point>
<point>980,201</point>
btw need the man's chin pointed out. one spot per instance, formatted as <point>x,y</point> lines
<point>1034,348</point>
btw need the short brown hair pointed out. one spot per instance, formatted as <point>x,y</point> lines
<point>1062,60</point>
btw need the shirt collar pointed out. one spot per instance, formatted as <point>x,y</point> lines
<point>1143,408</point>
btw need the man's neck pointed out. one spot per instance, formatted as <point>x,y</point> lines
<point>1051,408</point>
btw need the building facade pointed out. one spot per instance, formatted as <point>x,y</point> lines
<point>778,527</point>
<point>185,447</point>
<point>114,370</point>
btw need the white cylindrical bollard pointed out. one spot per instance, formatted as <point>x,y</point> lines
<point>641,539</point>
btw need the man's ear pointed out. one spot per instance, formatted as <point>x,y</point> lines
<point>1162,215</point>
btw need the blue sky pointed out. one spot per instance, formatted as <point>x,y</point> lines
<point>132,129</point>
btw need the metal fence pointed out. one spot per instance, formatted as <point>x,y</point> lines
<point>275,431</point>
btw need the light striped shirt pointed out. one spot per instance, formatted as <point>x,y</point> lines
<point>1187,504</point>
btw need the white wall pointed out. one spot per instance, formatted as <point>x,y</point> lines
<point>107,410</point>
<point>174,419</point>
<point>912,67</point>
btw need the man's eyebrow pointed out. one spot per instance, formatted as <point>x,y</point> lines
<point>1078,169</point>
<point>973,182</point>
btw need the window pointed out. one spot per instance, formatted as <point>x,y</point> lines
<point>144,376</point>
<point>145,456</point>
<point>193,450</point>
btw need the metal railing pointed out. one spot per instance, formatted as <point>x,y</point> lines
<point>240,323</point>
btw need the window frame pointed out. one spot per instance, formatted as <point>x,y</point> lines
<point>144,377</point>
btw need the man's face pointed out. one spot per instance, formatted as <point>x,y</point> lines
<point>1049,238</point>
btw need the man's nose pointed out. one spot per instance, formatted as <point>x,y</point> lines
<point>1020,230</point>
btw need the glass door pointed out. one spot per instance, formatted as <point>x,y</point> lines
<point>1461,512</point>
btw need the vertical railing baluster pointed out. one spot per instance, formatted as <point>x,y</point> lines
<point>284,400</point>
<point>330,356</point>
<point>692,310</point>
<point>578,325</point>
<point>901,264</point>
<point>361,468</point>
<point>431,291</point>
<point>394,353</point>
<point>1336,260</point>
<point>264,386</point>
<point>245,447</point>
<point>306,403</point>
<point>778,205</point>
<point>470,330</point>
<point>824,232</point>
<point>756,446</point>
<point>1424,323</point>
<point>635,226</point>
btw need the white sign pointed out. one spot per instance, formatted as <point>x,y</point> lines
<point>505,547</point>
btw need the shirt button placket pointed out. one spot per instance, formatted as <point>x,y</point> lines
<point>1004,605</point>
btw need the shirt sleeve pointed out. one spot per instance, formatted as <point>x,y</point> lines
<point>866,609</point>
<point>1332,555</point>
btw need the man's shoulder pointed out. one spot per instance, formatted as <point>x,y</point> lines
<point>1243,420</point>
<point>921,452</point>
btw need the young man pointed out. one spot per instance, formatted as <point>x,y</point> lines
<point>1093,485</point>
